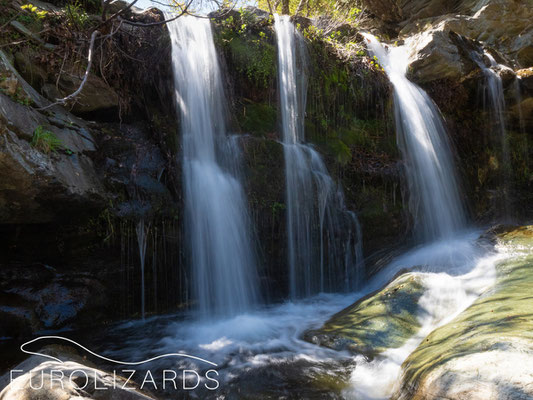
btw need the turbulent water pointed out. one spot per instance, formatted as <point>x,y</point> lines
<point>262,351</point>
<point>324,238</point>
<point>222,256</point>
<point>454,273</point>
<point>434,195</point>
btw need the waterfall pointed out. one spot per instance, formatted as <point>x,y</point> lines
<point>434,193</point>
<point>324,238</point>
<point>217,222</point>
<point>142,229</point>
<point>497,106</point>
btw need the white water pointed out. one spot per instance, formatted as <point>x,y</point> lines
<point>263,349</point>
<point>497,106</point>
<point>324,238</point>
<point>222,257</point>
<point>433,187</point>
<point>461,271</point>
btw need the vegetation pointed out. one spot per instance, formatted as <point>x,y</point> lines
<point>345,10</point>
<point>45,140</point>
<point>77,17</point>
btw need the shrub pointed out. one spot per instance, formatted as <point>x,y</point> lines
<point>76,14</point>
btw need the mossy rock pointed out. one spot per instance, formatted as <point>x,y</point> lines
<point>487,351</point>
<point>382,320</point>
<point>259,119</point>
<point>254,57</point>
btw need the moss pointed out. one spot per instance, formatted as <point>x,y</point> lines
<point>498,318</point>
<point>258,118</point>
<point>254,57</point>
<point>383,320</point>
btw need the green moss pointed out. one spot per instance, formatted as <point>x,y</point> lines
<point>384,320</point>
<point>498,318</point>
<point>258,118</point>
<point>253,57</point>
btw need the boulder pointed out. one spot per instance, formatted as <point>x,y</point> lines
<point>96,95</point>
<point>487,351</point>
<point>439,54</point>
<point>382,320</point>
<point>71,380</point>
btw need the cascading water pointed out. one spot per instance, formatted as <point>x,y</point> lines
<point>324,239</point>
<point>141,229</point>
<point>217,222</point>
<point>497,106</point>
<point>433,186</point>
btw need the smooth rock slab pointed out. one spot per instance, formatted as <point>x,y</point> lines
<point>380,321</point>
<point>487,351</point>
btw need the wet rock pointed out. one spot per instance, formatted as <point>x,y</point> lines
<point>379,321</point>
<point>487,351</point>
<point>36,297</point>
<point>135,165</point>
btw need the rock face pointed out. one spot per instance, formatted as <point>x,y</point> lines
<point>487,351</point>
<point>32,179</point>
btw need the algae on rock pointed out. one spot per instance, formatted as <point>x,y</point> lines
<point>470,357</point>
<point>377,322</point>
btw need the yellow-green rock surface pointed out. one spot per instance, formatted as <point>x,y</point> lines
<point>487,351</point>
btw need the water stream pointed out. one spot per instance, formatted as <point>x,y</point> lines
<point>260,351</point>
<point>324,238</point>
<point>221,256</point>
<point>435,200</point>
<point>496,101</point>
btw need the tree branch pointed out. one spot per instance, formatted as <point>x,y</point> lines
<point>184,10</point>
<point>85,77</point>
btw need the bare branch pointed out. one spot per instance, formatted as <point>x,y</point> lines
<point>270,7</point>
<point>301,6</point>
<point>118,13</point>
<point>184,10</point>
<point>85,77</point>
<point>8,22</point>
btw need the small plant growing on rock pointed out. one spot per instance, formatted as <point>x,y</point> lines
<point>76,15</point>
<point>45,141</point>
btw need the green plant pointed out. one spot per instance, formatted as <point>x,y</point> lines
<point>45,140</point>
<point>76,14</point>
